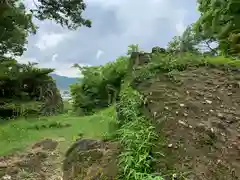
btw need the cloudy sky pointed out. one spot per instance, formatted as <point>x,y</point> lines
<point>115,25</point>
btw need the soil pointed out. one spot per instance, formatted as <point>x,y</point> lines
<point>39,162</point>
<point>89,159</point>
<point>44,161</point>
<point>197,117</point>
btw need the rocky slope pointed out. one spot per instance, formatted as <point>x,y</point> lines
<point>196,113</point>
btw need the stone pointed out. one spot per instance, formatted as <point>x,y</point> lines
<point>6,177</point>
<point>91,159</point>
<point>182,123</point>
<point>208,101</point>
<point>170,145</point>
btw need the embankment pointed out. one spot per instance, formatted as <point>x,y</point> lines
<point>179,118</point>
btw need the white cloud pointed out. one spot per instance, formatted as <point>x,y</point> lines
<point>180,25</point>
<point>31,3</point>
<point>63,69</point>
<point>67,70</point>
<point>50,40</point>
<point>54,57</point>
<point>116,24</point>
<point>99,54</point>
<point>24,60</point>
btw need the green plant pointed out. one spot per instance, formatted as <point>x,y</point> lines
<point>99,87</point>
<point>27,90</point>
<point>137,137</point>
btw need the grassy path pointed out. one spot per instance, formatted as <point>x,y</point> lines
<point>18,134</point>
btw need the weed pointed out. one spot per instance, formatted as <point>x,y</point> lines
<point>137,137</point>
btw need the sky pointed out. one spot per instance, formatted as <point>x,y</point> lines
<point>115,25</point>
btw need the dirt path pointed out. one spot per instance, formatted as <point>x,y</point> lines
<point>44,161</point>
<point>39,162</point>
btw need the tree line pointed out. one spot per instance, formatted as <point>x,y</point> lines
<point>25,88</point>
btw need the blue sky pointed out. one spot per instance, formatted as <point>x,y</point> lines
<point>115,25</point>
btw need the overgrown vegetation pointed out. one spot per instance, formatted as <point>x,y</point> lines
<point>24,88</point>
<point>27,90</point>
<point>99,87</point>
<point>136,135</point>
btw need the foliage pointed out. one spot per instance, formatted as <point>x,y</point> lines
<point>133,48</point>
<point>24,88</point>
<point>15,25</point>
<point>99,86</point>
<point>16,22</point>
<point>185,43</point>
<point>136,135</point>
<point>66,12</point>
<point>219,21</point>
<point>27,89</point>
<point>179,62</point>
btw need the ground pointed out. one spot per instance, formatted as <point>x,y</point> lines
<point>34,149</point>
<point>195,114</point>
<point>197,117</point>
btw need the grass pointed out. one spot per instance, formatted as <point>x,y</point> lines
<point>16,135</point>
<point>137,137</point>
<point>163,63</point>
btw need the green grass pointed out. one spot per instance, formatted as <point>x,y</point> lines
<point>16,135</point>
<point>137,137</point>
<point>163,63</point>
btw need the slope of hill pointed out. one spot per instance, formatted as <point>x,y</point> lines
<point>183,113</point>
<point>64,82</point>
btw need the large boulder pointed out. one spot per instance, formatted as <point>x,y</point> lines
<point>90,159</point>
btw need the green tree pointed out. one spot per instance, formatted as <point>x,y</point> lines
<point>185,43</point>
<point>132,48</point>
<point>65,12</point>
<point>219,20</point>
<point>15,25</point>
<point>174,44</point>
<point>16,22</point>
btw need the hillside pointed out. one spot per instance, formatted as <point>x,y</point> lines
<point>184,112</point>
<point>175,117</point>
<point>197,113</point>
<point>169,114</point>
<point>64,82</point>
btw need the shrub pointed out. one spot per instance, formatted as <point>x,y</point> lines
<point>99,86</point>
<point>26,89</point>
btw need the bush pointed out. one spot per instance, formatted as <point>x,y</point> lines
<point>26,89</point>
<point>99,87</point>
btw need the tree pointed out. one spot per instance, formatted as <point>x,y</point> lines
<point>65,12</point>
<point>22,84</point>
<point>185,43</point>
<point>15,25</point>
<point>174,45</point>
<point>16,22</point>
<point>132,48</point>
<point>25,88</point>
<point>219,21</point>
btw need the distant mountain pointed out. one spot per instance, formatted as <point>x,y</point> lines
<point>64,82</point>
